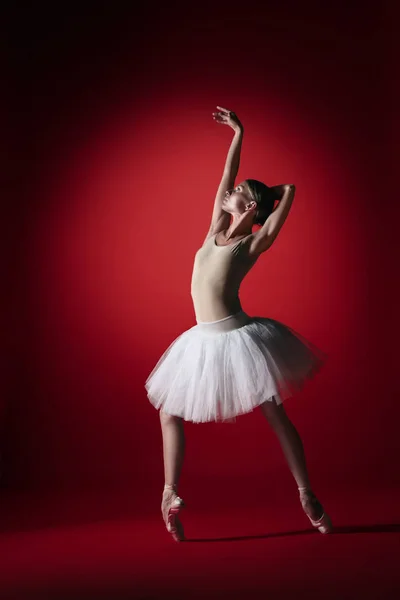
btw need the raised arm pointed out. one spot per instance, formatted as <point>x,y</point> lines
<point>220,219</point>
<point>266,235</point>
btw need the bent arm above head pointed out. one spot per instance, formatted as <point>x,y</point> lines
<point>280,189</point>
<point>265,236</point>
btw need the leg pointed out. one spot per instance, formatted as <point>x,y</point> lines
<point>290,441</point>
<point>173,447</point>
<point>293,449</point>
<point>173,451</point>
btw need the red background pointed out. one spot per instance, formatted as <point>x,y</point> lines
<point>114,164</point>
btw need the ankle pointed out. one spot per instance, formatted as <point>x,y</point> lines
<point>306,491</point>
<point>171,486</point>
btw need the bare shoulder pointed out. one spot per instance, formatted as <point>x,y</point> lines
<point>257,244</point>
<point>220,226</point>
<point>209,235</point>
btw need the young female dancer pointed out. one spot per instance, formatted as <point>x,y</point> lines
<point>230,363</point>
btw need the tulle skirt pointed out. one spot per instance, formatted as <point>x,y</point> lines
<point>218,370</point>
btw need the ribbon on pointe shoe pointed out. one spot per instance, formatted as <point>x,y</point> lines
<point>172,487</point>
<point>171,511</point>
<point>324,523</point>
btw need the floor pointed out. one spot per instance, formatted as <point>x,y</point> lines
<point>96,545</point>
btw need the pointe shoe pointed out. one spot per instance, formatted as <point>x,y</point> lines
<point>310,503</point>
<point>171,506</point>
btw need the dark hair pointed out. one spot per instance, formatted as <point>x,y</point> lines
<point>265,198</point>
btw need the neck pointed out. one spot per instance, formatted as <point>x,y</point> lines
<point>239,226</point>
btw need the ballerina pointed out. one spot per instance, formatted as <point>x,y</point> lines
<point>230,363</point>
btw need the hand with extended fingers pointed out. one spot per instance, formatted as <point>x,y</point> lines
<point>227,117</point>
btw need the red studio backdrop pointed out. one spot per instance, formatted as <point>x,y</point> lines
<point>117,163</point>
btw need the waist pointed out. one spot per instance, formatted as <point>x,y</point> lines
<point>210,307</point>
<point>228,323</point>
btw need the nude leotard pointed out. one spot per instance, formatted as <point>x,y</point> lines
<point>217,274</point>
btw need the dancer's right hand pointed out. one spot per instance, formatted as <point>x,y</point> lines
<point>227,117</point>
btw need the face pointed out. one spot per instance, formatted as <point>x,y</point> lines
<point>238,200</point>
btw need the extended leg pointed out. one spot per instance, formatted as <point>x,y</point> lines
<point>174,451</point>
<point>293,449</point>
<point>290,441</point>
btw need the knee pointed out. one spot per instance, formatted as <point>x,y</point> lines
<point>274,413</point>
<point>165,418</point>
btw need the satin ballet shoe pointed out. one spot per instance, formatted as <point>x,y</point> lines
<point>171,506</point>
<point>308,499</point>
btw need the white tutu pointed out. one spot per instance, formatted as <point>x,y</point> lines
<point>215,371</point>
